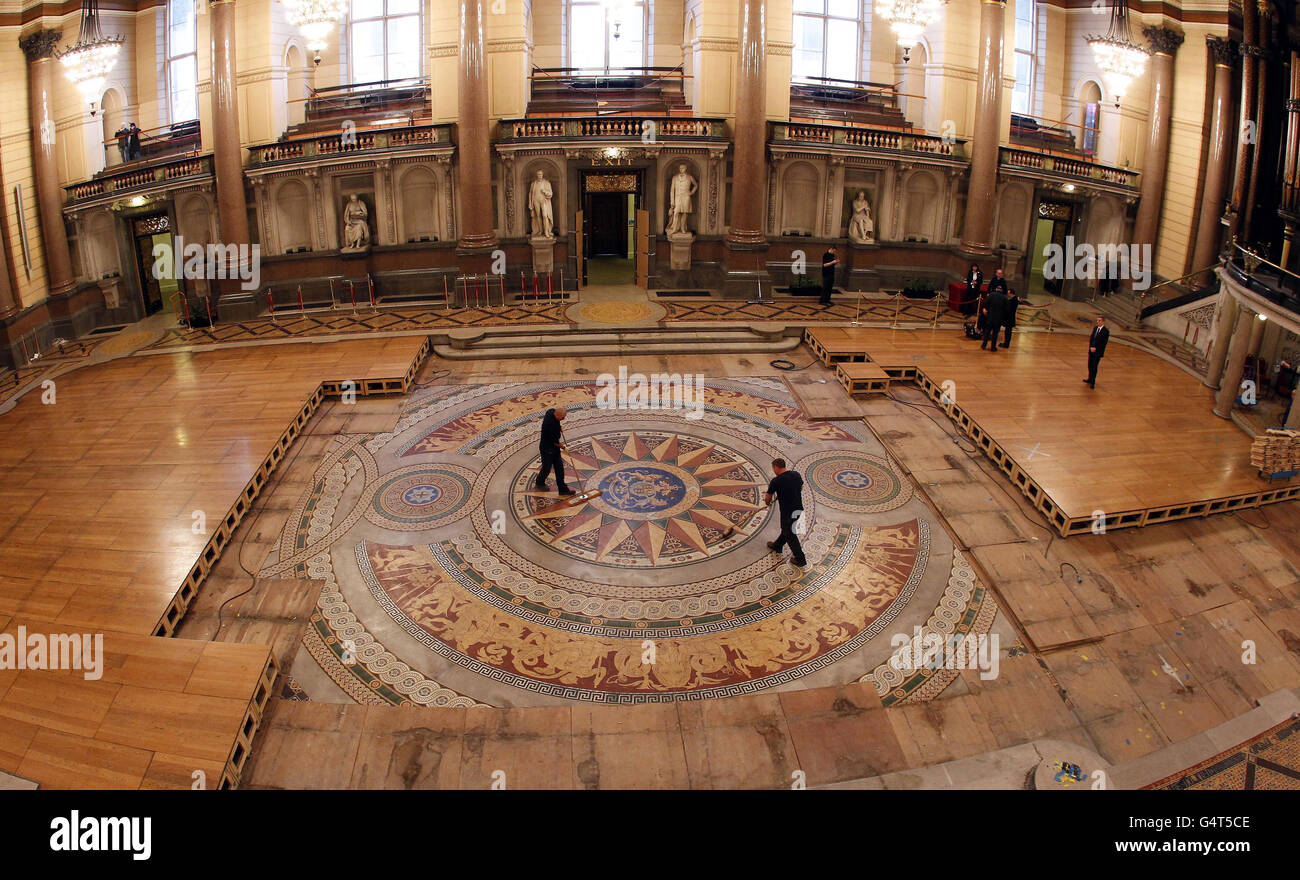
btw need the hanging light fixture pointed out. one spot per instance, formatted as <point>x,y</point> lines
<point>88,62</point>
<point>909,19</point>
<point>316,19</point>
<point>1120,59</point>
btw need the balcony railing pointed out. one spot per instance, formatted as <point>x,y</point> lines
<point>1066,167</point>
<point>343,143</point>
<point>140,178</point>
<point>877,139</point>
<point>612,128</point>
<point>1279,286</point>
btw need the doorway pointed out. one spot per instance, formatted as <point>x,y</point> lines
<point>1051,227</point>
<point>149,234</point>
<point>610,212</point>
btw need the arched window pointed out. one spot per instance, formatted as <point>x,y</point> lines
<point>1022,95</point>
<point>827,38</point>
<point>605,35</point>
<point>182,61</point>
<point>386,39</point>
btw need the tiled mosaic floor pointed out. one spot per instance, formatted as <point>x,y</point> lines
<point>450,580</point>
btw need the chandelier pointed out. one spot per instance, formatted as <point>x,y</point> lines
<point>909,19</point>
<point>88,62</point>
<point>1120,59</point>
<point>316,19</point>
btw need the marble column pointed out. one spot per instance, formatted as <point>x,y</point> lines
<point>1250,53</point>
<point>1225,318</point>
<point>749,158</point>
<point>1260,114</point>
<point>977,233</point>
<point>227,153</point>
<point>1238,349</point>
<point>745,246</point>
<point>473,147</point>
<point>39,49</point>
<point>1208,229</point>
<point>1164,42</point>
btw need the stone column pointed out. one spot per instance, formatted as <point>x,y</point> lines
<point>1261,98</point>
<point>977,234</point>
<point>1206,250</point>
<point>746,245</point>
<point>473,156</point>
<point>1237,351</point>
<point>1225,318</point>
<point>227,153</point>
<point>39,49</point>
<point>1164,42</point>
<point>1250,53</point>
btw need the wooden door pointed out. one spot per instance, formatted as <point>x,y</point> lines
<point>642,248</point>
<point>580,256</point>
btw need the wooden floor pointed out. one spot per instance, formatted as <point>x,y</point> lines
<point>100,494</point>
<point>1143,446</point>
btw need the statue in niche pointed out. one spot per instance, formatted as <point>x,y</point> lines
<point>681,192</point>
<point>862,229</point>
<point>539,207</point>
<point>356,225</point>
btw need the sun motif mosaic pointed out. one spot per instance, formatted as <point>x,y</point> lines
<point>449,579</point>
<point>647,499</point>
<point>855,482</point>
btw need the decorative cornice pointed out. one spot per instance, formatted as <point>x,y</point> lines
<point>1253,51</point>
<point>1163,40</point>
<point>1221,50</point>
<point>39,44</point>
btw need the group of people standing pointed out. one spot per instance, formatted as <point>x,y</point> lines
<point>128,141</point>
<point>996,309</point>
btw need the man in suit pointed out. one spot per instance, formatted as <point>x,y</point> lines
<point>995,313</point>
<point>551,446</point>
<point>999,282</point>
<point>1096,349</point>
<point>829,262</point>
<point>974,281</point>
<point>786,488</point>
<point>1009,321</point>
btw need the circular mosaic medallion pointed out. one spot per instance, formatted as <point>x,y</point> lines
<point>645,499</point>
<point>420,497</point>
<point>615,312</point>
<point>855,482</point>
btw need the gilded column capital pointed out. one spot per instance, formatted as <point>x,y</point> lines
<point>1163,40</point>
<point>1221,50</point>
<point>39,44</point>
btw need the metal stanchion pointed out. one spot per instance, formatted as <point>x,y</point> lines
<point>857,311</point>
<point>898,303</point>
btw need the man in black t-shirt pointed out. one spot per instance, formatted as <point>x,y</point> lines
<point>551,445</point>
<point>786,488</point>
<point>829,262</point>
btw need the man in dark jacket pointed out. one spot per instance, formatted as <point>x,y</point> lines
<point>1009,321</point>
<point>829,262</point>
<point>786,488</point>
<point>551,446</point>
<point>974,281</point>
<point>133,141</point>
<point>1096,349</point>
<point>995,312</point>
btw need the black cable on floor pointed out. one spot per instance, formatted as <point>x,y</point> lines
<point>1265,526</point>
<point>789,366</point>
<point>435,376</point>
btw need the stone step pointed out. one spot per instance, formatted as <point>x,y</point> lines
<point>715,337</point>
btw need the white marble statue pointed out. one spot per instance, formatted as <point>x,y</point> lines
<point>356,225</point>
<point>680,202</point>
<point>539,207</point>
<point>862,229</point>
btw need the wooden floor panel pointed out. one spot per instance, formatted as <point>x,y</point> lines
<point>1145,439</point>
<point>98,535</point>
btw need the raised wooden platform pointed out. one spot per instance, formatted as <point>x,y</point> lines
<point>98,501</point>
<point>1142,448</point>
<point>864,378</point>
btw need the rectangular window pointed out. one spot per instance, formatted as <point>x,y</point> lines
<point>387,41</point>
<point>827,39</point>
<point>182,61</point>
<point>605,36</point>
<point>1022,95</point>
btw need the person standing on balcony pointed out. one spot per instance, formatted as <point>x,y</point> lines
<point>133,142</point>
<point>123,136</point>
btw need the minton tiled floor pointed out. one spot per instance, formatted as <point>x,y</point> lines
<point>449,580</point>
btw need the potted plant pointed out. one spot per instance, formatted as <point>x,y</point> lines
<point>919,288</point>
